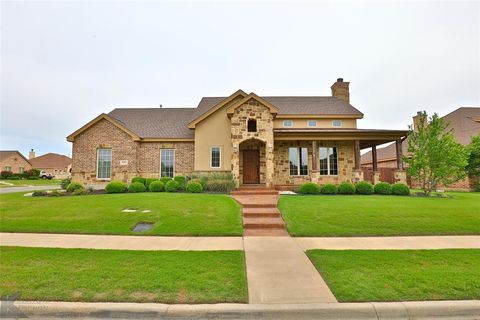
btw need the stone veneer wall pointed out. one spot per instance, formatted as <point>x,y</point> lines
<point>143,157</point>
<point>346,162</point>
<point>239,133</point>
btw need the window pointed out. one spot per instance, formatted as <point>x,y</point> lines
<point>104,163</point>
<point>167,163</point>
<point>215,157</point>
<point>8,168</point>
<point>252,125</point>
<point>337,123</point>
<point>287,123</point>
<point>328,161</point>
<point>312,123</point>
<point>298,159</point>
<point>21,170</point>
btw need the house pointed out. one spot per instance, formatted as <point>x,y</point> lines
<point>279,141</point>
<point>13,161</point>
<point>465,123</point>
<point>55,164</point>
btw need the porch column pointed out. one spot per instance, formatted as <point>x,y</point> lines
<point>314,155</point>
<point>357,174</point>
<point>357,155</point>
<point>398,144</point>
<point>269,164</point>
<point>374,158</point>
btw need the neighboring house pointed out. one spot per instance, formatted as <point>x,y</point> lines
<point>276,141</point>
<point>465,123</point>
<point>14,161</point>
<point>55,164</point>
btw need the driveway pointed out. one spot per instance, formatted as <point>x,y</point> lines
<point>27,189</point>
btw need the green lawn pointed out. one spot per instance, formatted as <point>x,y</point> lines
<point>172,213</point>
<point>400,275</point>
<point>381,215</point>
<point>5,183</point>
<point>114,275</point>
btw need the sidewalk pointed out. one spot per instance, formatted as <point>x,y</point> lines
<point>28,189</point>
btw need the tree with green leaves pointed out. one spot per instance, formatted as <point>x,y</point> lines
<point>435,157</point>
<point>473,167</point>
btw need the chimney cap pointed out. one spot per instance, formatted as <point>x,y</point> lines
<point>339,79</point>
<point>419,113</point>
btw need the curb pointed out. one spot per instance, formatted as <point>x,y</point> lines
<point>377,310</point>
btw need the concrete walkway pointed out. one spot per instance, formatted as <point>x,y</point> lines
<point>120,242</point>
<point>27,189</point>
<point>278,271</point>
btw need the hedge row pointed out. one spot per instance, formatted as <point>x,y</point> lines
<point>362,187</point>
<point>167,184</point>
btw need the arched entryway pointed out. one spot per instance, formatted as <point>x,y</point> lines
<point>252,154</point>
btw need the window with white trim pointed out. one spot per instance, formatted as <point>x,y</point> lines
<point>21,170</point>
<point>104,163</point>
<point>312,123</point>
<point>215,155</point>
<point>328,161</point>
<point>336,123</point>
<point>167,163</point>
<point>8,168</point>
<point>287,123</point>
<point>298,160</point>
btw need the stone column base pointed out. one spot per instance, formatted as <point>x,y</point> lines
<point>401,176</point>
<point>376,177</point>
<point>315,176</point>
<point>357,176</point>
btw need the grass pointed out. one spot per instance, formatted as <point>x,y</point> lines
<point>400,275</point>
<point>6,183</point>
<point>171,213</point>
<point>48,274</point>
<point>381,215</point>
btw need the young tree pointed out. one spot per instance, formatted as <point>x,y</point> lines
<point>435,156</point>
<point>473,167</point>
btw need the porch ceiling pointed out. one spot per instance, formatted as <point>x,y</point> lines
<point>366,137</point>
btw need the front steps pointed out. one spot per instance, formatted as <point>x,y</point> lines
<point>260,214</point>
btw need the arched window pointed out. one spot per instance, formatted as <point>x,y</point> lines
<point>252,125</point>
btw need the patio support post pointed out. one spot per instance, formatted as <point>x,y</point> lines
<point>398,144</point>
<point>374,158</point>
<point>314,155</point>
<point>357,155</point>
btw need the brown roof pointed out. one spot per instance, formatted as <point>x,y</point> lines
<point>464,121</point>
<point>292,105</point>
<point>156,122</point>
<point>5,154</point>
<point>51,160</point>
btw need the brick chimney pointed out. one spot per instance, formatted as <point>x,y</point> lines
<point>31,154</point>
<point>340,90</point>
<point>419,118</point>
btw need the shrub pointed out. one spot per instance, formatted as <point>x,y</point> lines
<point>400,189</point>
<point>476,186</point>
<point>79,192</point>
<point>309,188</point>
<point>329,189</point>
<point>346,188</point>
<point>218,185</point>
<point>116,187</point>
<point>38,193</point>
<point>32,178</point>
<point>182,182</point>
<point>65,182</point>
<point>171,186</point>
<point>56,193</point>
<point>14,178</point>
<point>33,173</point>
<point>194,187</point>
<point>5,174</point>
<point>74,186</point>
<point>156,186</point>
<point>136,187</point>
<point>139,179</point>
<point>165,179</point>
<point>148,181</point>
<point>383,188</point>
<point>364,187</point>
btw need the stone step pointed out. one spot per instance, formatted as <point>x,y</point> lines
<point>265,233</point>
<point>263,223</point>
<point>254,192</point>
<point>259,205</point>
<point>260,212</point>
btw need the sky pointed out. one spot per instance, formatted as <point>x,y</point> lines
<point>65,62</point>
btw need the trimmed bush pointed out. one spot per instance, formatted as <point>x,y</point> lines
<point>309,188</point>
<point>79,192</point>
<point>139,179</point>
<point>364,187</point>
<point>171,186</point>
<point>64,183</point>
<point>5,174</point>
<point>165,179</point>
<point>116,187</point>
<point>328,189</point>
<point>14,178</point>
<point>74,186</point>
<point>383,188</point>
<point>194,187</point>
<point>156,186</point>
<point>346,188</point>
<point>32,178</point>
<point>400,189</point>
<point>148,181</point>
<point>33,173</point>
<point>136,187</point>
<point>38,193</point>
<point>182,182</point>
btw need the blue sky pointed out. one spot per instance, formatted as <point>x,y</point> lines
<point>65,62</point>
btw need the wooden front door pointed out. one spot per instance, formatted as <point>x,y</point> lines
<point>251,166</point>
